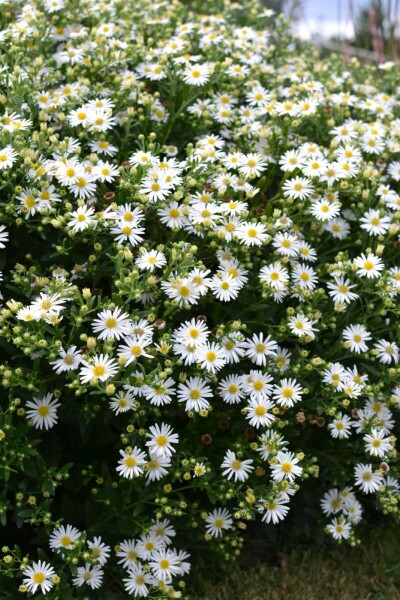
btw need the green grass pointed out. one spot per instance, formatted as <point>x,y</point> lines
<point>370,571</point>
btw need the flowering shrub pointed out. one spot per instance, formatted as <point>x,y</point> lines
<point>199,246</point>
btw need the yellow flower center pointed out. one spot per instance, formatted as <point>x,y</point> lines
<point>130,462</point>
<point>98,370</point>
<point>111,322</point>
<point>43,411</point>
<point>39,578</point>
<point>286,467</point>
<point>149,546</point>
<point>162,440</point>
<point>184,291</point>
<point>30,202</point>
<point>65,540</point>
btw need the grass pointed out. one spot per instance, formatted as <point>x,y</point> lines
<point>370,571</point>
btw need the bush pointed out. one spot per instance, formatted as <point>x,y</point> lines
<point>200,261</point>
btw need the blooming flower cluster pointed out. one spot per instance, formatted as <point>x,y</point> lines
<point>199,246</point>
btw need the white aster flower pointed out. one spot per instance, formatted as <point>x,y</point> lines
<point>368,480</point>
<point>218,521</point>
<point>43,411</point>
<point>112,324</point>
<point>285,467</point>
<point>131,463</point>
<point>39,576</point>
<point>233,467</point>
<point>376,443</point>
<point>101,368</point>
<point>91,575</point>
<point>161,440</point>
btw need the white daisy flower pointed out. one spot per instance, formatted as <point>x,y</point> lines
<point>285,467</point>
<point>340,427</point>
<point>43,411</point>
<point>225,288</point>
<point>164,564</point>
<point>39,576</point>
<point>273,510</point>
<point>258,412</point>
<point>99,550</point>
<point>339,529</point>
<point>150,260</point>
<point>82,218</point>
<point>211,357</point>
<point>257,384</point>
<point>101,368</point>
<point>217,521</point>
<point>387,352</point>
<point>376,443</point>
<point>8,157</point>
<point>161,440</point>
<point>230,389</point>
<point>197,74</point>
<point>374,223</point>
<point>64,537</point>
<point>233,467</point>
<point>112,324</point>
<point>91,575</point>
<point>128,553</point>
<point>194,392</point>
<point>340,290</point>
<point>369,265</point>
<point>275,275</point>
<point>356,337</point>
<point>258,349</point>
<point>138,580</point>
<point>299,188</point>
<point>131,463</point>
<point>331,502</point>
<point>252,234</point>
<point>287,393</point>
<point>157,467</point>
<point>365,478</point>
<point>122,402</point>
